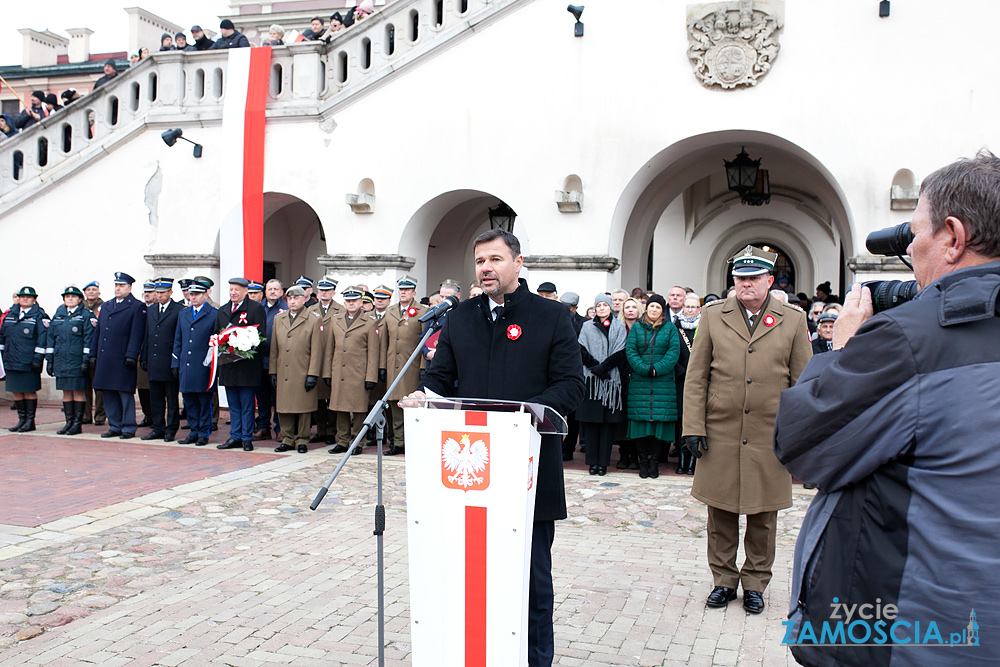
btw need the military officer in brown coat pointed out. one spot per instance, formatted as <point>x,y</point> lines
<point>295,366</point>
<point>326,308</point>
<point>350,361</point>
<point>400,335</point>
<point>748,349</point>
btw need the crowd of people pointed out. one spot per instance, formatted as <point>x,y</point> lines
<point>42,104</point>
<point>634,350</point>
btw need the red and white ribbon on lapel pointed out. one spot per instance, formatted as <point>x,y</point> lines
<point>241,234</point>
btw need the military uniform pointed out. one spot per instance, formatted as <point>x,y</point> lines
<point>67,356</point>
<point>350,354</point>
<point>194,329</point>
<point>735,375</point>
<point>142,377</point>
<point>115,350</point>
<point>400,335</point>
<point>296,356</point>
<point>23,338</point>
<point>326,429</point>
<point>94,405</point>
<point>157,356</point>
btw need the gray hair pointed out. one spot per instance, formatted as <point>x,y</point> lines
<point>275,280</point>
<point>278,29</point>
<point>970,191</point>
<point>780,295</point>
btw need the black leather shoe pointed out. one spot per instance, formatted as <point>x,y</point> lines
<point>807,485</point>
<point>339,449</point>
<point>201,442</point>
<point>111,434</point>
<point>126,436</point>
<point>316,439</point>
<point>169,437</point>
<point>247,445</point>
<point>393,450</point>
<point>602,471</point>
<point>283,448</point>
<point>357,450</point>
<point>152,435</point>
<point>303,449</point>
<point>593,470</point>
<point>190,440</point>
<point>230,444</point>
<point>753,601</point>
<point>146,423</point>
<point>721,596</point>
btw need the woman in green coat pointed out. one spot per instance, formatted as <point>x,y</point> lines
<point>652,349</point>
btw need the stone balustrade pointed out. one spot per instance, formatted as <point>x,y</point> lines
<point>308,81</point>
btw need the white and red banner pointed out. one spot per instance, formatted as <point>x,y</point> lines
<point>470,498</point>
<point>241,235</point>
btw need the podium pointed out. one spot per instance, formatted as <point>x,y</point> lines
<point>471,469</point>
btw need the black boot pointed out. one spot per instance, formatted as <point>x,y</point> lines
<point>682,460</point>
<point>68,411</point>
<point>21,418</point>
<point>654,459</point>
<point>625,452</point>
<point>30,406</point>
<point>76,427</point>
<point>691,462</point>
<point>643,455</point>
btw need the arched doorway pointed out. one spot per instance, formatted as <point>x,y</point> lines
<point>679,222</point>
<point>293,238</point>
<point>443,230</point>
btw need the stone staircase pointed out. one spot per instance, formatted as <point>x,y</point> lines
<point>309,82</point>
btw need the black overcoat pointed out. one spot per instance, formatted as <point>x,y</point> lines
<point>243,372</point>
<point>120,330</point>
<point>540,363</point>
<point>191,347</point>
<point>158,349</point>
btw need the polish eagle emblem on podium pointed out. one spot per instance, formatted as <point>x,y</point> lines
<point>465,460</point>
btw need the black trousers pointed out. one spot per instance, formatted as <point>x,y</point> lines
<point>265,405</point>
<point>598,437</point>
<point>163,403</point>
<point>541,597</point>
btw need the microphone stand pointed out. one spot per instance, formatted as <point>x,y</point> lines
<point>376,420</point>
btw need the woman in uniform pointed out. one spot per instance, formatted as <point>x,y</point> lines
<point>67,355</point>
<point>22,342</point>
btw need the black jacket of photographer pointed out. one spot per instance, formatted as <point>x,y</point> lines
<point>479,358</point>
<point>899,430</point>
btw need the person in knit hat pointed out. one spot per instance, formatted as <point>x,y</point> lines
<point>167,42</point>
<point>33,113</point>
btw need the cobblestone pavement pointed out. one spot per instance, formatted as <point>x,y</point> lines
<point>236,570</point>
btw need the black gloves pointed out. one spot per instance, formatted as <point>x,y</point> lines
<point>142,365</point>
<point>274,381</point>
<point>36,368</point>
<point>651,372</point>
<point>176,372</point>
<point>85,366</point>
<point>49,369</point>
<point>327,382</point>
<point>693,442</point>
<point>369,386</point>
<point>600,371</point>
<point>381,375</point>
<point>310,382</point>
<point>130,363</point>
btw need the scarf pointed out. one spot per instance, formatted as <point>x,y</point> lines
<point>608,391</point>
<point>689,322</point>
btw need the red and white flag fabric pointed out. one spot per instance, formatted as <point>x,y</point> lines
<point>241,235</point>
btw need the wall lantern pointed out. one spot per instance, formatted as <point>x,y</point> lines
<point>502,217</point>
<point>742,172</point>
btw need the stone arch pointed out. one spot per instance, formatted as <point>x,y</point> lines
<point>440,233</point>
<point>680,194</point>
<point>294,238</point>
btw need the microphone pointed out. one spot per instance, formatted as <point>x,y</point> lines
<point>440,309</point>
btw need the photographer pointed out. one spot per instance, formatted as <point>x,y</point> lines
<point>898,427</point>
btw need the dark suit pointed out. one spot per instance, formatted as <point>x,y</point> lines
<point>476,358</point>
<point>190,348</point>
<point>241,377</point>
<point>120,330</point>
<point>157,354</point>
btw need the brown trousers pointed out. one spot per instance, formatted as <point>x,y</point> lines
<point>295,428</point>
<point>758,543</point>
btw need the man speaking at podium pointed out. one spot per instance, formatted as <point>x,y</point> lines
<point>510,344</point>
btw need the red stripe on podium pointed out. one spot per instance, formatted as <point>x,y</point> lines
<point>475,585</point>
<point>475,418</point>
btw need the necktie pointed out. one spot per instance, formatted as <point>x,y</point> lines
<point>163,308</point>
<point>234,307</point>
<point>497,312</point>
<point>753,318</point>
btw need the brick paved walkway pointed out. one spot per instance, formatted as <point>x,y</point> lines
<point>235,570</point>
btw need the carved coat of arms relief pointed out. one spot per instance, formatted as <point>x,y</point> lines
<point>734,43</point>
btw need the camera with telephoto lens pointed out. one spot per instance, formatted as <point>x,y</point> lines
<point>891,241</point>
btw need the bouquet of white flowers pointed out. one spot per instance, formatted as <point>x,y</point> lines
<point>236,343</point>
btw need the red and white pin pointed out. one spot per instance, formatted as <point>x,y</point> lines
<point>513,332</point>
<point>769,320</point>
<point>411,311</point>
